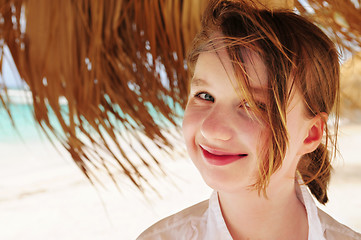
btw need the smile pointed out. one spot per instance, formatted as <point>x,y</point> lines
<point>219,158</point>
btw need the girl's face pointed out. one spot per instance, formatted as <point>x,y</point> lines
<point>224,142</point>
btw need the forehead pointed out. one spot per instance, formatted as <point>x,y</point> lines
<point>255,68</point>
<point>250,64</point>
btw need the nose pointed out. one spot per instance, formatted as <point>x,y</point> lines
<point>217,126</point>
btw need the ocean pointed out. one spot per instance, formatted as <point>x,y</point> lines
<point>24,126</point>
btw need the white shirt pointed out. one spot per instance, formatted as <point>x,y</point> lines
<point>205,221</point>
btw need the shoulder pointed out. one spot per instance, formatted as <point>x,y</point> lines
<point>182,225</point>
<point>335,230</point>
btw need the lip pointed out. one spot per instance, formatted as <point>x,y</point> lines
<point>220,158</point>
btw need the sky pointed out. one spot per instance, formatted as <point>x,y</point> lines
<point>10,75</point>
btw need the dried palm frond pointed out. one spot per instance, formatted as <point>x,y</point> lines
<point>340,18</point>
<point>351,88</point>
<point>121,67</point>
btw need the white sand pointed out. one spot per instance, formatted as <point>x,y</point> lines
<point>44,196</point>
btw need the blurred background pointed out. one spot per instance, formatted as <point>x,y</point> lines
<point>92,94</point>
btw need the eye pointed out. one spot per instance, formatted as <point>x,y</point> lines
<point>245,104</point>
<point>261,106</point>
<point>205,96</point>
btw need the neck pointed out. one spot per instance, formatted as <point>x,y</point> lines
<point>251,216</point>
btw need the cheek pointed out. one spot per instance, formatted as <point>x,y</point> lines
<point>256,134</point>
<point>261,142</point>
<point>190,124</point>
<point>297,131</point>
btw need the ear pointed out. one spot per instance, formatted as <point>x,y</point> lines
<point>315,133</point>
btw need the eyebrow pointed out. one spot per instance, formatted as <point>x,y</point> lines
<point>196,82</point>
<point>199,82</point>
<point>259,90</point>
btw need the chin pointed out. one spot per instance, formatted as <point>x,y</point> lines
<point>225,179</point>
<point>228,186</point>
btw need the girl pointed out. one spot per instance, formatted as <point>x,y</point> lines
<point>263,86</point>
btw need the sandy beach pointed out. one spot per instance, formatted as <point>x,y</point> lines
<point>44,196</point>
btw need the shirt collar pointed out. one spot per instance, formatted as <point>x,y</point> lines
<point>315,229</point>
<point>215,222</point>
<point>217,229</point>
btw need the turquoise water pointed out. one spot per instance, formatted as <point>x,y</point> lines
<point>27,129</point>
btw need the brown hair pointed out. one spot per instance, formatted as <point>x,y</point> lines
<point>298,56</point>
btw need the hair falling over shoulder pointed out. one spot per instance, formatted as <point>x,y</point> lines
<point>298,56</point>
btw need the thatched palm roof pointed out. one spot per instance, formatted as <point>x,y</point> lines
<point>121,67</point>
